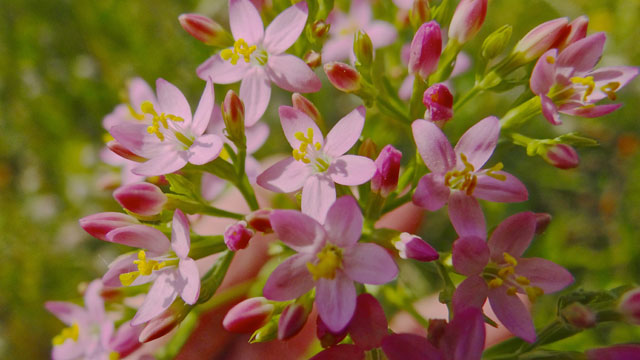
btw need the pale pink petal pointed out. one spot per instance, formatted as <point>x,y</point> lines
<point>478,143</point>
<point>69,350</point>
<point>466,215</point>
<point>140,236</point>
<point>318,194</point>
<point>369,264</point>
<point>381,33</point>
<point>125,340</point>
<point>300,232</point>
<point>344,222</point>
<point>255,92</point>
<point>159,298</point>
<point>122,264</point>
<point>465,335</point>
<point>204,110</point>
<point>294,121</point>
<point>340,352</point>
<point>360,10</point>
<point>162,164</point>
<point>284,176</point>
<point>509,190</point>
<point>285,29</point>
<point>351,170</point>
<point>204,149</point>
<point>583,54</point>
<point>135,138</point>
<point>189,280</point>
<point>431,193</point>
<point>512,313</point>
<point>93,302</point>
<point>180,237</point>
<point>549,110</point>
<point>140,91</point>
<point>337,49</point>
<point>345,133</point>
<point>222,71</point>
<point>406,89</point>
<point>472,292</point>
<point>543,75</point>
<point>67,312</point>
<point>470,254</point>
<point>245,21</point>
<point>591,111</point>
<point>544,274</point>
<point>290,279</point>
<point>256,136</point>
<point>336,301</point>
<point>410,347</point>
<point>512,236</point>
<point>433,146</point>
<point>620,74</point>
<point>172,101</point>
<point>292,74</point>
<point>212,186</point>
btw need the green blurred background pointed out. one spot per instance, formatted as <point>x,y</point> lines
<point>64,65</point>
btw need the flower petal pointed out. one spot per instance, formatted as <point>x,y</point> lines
<point>292,74</point>
<point>472,292</point>
<point>345,133</point>
<point>245,21</point>
<point>381,33</point>
<point>512,313</point>
<point>466,215</point>
<point>290,279</point>
<point>122,264</point>
<point>285,29</point>
<point>465,335</point>
<point>616,74</point>
<point>351,170</point>
<point>221,71</point>
<point>509,190</point>
<point>479,141</point>
<point>140,236</point>
<point>340,352</point>
<point>135,138</point>
<point>344,222</point>
<point>409,347</point>
<point>180,237</point>
<point>255,92</point>
<point>68,350</point>
<point>189,280</point>
<point>336,301</point>
<point>369,264</point>
<point>67,312</point>
<point>470,255</point>
<point>203,111</point>
<point>512,236</point>
<point>93,302</point>
<point>431,193</point>
<point>140,91</point>
<point>284,176</point>
<point>433,146</point>
<point>550,110</point>
<point>369,324</point>
<point>337,49</point>
<point>159,298</point>
<point>299,231</point>
<point>256,136</point>
<point>583,54</point>
<point>204,149</point>
<point>544,274</point>
<point>591,111</point>
<point>318,194</point>
<point>172,101</point>
<point>162,164</point>
<point>543,75</point>
<point>294,121</point>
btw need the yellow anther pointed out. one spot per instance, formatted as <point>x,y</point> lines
<point>495,283</point>
<point>506,272</point>
<point>228,54</point>
<point>586,81</point>
<point>318,146</point>
<point>135,115</point>
<point>509,259</point>
<point>72,332</point>
<point>147,108</point>
<point>610,89</point>
<point>550,59</point>
<point>496,167</point>
<point>300,136</point>
<point>240,48</point>
<point>463,180</point>
<point>224,154</point>
<point>146,267</point>
<point>512,290</point>
<point>329,260</point>
<point>467,165</point>
<point>533,292</point>
<point>114,356</point>
<point>522,280</point>
<point>127,279</point>
<point>107,137</point>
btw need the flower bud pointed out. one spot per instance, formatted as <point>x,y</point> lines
<point>313,59</point>
<point>495,43</point>
<point>306,106</point>
<point>577,31</point>
<point>344,77</point>
<point>467,20</point>
<point>142,198</point>
<point>165,322</point>
<point>237,236</point>
<point>439,103</point>
<point>420,13</point>
<point>413,247</point>
<point>426,47</point>
<point>630,306</point>
<point>266,333</point>
<point>385,179</point>
<point>259,220</point>
<point>125,340</point>
<point>363,48</point>
<point>122,151</point>
<point>579,316</point>
<point>542,222</point>
<point>292,319</point>
<point>368,149</point>
<point>562,156</point>
<point>233,116</point>
<point>98,225</point>
<point>327,337</point>
<point>541,39</point>
<point>320,28</point>
<point>248,315</point>
<point>205,30</point>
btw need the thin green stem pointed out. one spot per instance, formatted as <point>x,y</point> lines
<point>213,211</point>
<point>247,192</point>
<point>466,97</point>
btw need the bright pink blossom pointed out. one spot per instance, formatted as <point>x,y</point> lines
<point>258,57</point>
<point>329,258</point>
<point>318,163</point>
<point>413,247</point>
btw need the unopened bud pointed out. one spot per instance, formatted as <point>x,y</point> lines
<point>368,149</point>
<point>344,77</point>
<point>205,30</point>
<point>426,47</point>
<point>542,222</point>
<point>320,28</point>
<point>237,236</point>
<point>142,198</point>
<point>562,156</point>
<point>259,220</point>
<point>439,103</point>
<point>306,106</point>
<point>125,340</point>
<point>233,116</point>
<point>313,59</point>
<point>266,333</point>
<point>629,306</point>
<point>326,336</point>
<point>292,319</point>
<point>98,225</point>
<point>123,152</point>
<point>467,20</point>
<point>579,316</point>
<point>420,13</point>
<point>248,315</point>
<point>165,322</point>
<point>385,179</point>
<point>577,31</point>
<point>363,48</point>
<point>496,42</point>
<point>413,247</point>
<point>541,39</point>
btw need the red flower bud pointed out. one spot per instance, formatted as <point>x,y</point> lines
<point>425,50</point>
<point>292,319</point>
<point>205,30</point>
<point>248,315</point>
<point>630,306</point>
<point>142,198</point>
<point>541,39</point>
<point>342,76</point>
<point>562,156</point>
<point>413,247</point>
<point>237,236</point>
<point>385,179</point>
<point>439,103</point>
<point>467,20</point>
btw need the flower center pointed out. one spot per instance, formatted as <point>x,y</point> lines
<point>309,152</point>
<point>240,48</point>
<point>585,81</point>
<point>329,260</point>
<point>161,121</point>
<point>505,274</point>
<point>463,180</point>
<point>72,332</point>
<point>145,267</point>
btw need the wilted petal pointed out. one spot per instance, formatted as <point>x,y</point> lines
<point>297,230</point>
<point>203,111</point>
<point>409,347</point>
<point>162,164</point>
<point>205,149</point>
<point>67,312</point>
<point>221,71</point>
<point>512,313</point>
<point>512,236</point>
<point>294,121</point>
<point>351,170</point>
<point>478,143</point>
<point>172,101</point>
<point>318,194</point>
<point>180,237</point>
<point>140,236</point>
<point>189,280</point>
<point>472,292</point>
<point>285,29</point>
<point>245,21</point>
<point>509,190</point>
<point>369,264</point>
<point>583,54</point>
<point>433,146</point>
<point>345,133</point>
<point>470,255</point>
<point>543,75</point>
<point>290,279</point>
<point>544,274</point>
<point>159,298</point>
<point>336,301</point>
<point>431,193</point>
<point>284,176</point>
<point>466,215</point>
<point>369,324</point>
<point>292,74</point>
<point>344,222</point>
<point>550,110</point>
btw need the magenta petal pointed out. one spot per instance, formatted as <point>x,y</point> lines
<point>616,352</point>
<point>351,170</point>
<point>125,340</point>
<point>159,298</point>
<point>255,92</point>
<point>345,133</point>
<point>466,215</point>
<point>290,279</point>
<point>340,352</point>
<point>431,193</point>
<point>284,176</point>
<point>369,324</point>
<point>433,146</point>
<point>544,274</point>
<point>100,224</point>
<point>409,347</point>
<point>344,222</point>
<point>245,21</point>
<point>512,313</point>
<point>292,74</point>
<point>205,149</point>
<point>140,236</point>
<point>543,75</point>
<point>479,141</point>
<point>172,101</point>
<point>299,231</point>
<point>550,110</point>
<point>67,312</point>
<point>512,236</point>
<point>465,335</point>
<point>591,111</point>
<point>337,49</point>
<point>369,264</point>
<point>203,111</point>
<point>221,71</point>
<point>162,164</point>
<point>583,54</point>
<point>189,280</point>
<point>470,255</point>
<point>285,29</point>
<point>318,194</point>
<point>509,190</point>
<point>472,292</point>
<point>180,237</point>
<point>293,121</point>
<point>336,301</point>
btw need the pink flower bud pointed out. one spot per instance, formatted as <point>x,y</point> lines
<point>320,28</point>
<point>165,322</point>
<point>439,103</point>
<point>205,30</point>
<point>122,151</point>
<point>233,116</point>
<point>98,225</point>
<point>579,316</point>
<point>541,39</point>
<point>385,179</point>
<point>542,222</point>
<point>237,236</point>
<point>630,306</point>
<point>344,77</point>
<point>413,247</point>
<point>425,50</point>
<point>313,59</point>
<point>142,198</point>
<point>326,336</point>
<point>577,31</point>
<point>562,156</point>
<point>306,106</point>
<point>467,20</point>
<point>248,315</point>
<point>292,319</point>
<point>259,220</point>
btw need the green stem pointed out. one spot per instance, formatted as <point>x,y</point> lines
<point>247,192</point>
<point>466,97</point>
<point>416,107</point>
<point>213,211</point>
<point>449,287</point>
<point>522,113</point>
<point>391,110</point>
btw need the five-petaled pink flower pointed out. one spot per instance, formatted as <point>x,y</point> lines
<point>329,258</point>
<point>567,83</point>
<point>457,175</point>
<point>496,270</point>
<point>318,163</point>
<point>171,137</point>
<point>258,59</point>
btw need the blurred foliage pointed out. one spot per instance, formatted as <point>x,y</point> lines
<point>65,64</point>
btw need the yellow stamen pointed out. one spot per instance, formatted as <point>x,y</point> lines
<point>496,167</point>
<point>72,332</point>
<point>135,115</point>
<point>114,356</point>
<point>240,48</point>
<point>145,267</point>
<point>154,128</point>
<point>510,259</point>
<point>533,292</point>
<point>506,272</point>
<point>495,283</point>
<point>550,59</point>
<point>610,89</point>
<point>329,260</point>
<point>522,280</point>
<point>463,180</point>
<point>586,81</point>
<point>512,291</point>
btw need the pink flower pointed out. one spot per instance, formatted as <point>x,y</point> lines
<point>329,258</point>
<point>496,270</point>
<point>629,306</point>
<point>467,20</point>
<point>172,138</point>
<point>457,175</point>
<point>385,179</point>
<point>567,83</point>
<point>344,26</point>
<point>542,38</point>
<point>413,247</point>
<point>248,315</point>
<point>258,59</point>
<point>439,103</point>
<point>318,163</point>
